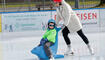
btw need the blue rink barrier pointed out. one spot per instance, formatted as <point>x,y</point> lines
<point>39,51</point>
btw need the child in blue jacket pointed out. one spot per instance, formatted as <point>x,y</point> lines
<point>49,38</point>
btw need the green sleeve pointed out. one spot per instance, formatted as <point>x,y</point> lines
<point>46,34</point>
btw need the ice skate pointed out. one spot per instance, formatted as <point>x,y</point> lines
<point>52,58</point>
<point>90,49</point>
<point>69,51</point>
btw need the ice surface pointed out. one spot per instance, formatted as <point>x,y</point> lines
<point>17,46</point>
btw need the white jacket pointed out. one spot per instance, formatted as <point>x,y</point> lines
<point>65,13</point>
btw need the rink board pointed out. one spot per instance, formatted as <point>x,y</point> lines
<point>0,24</point>
<point>91,19</point>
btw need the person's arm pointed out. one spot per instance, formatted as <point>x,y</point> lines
<point>44,38</point>
<point>45,34</point>
<point>68,13</point>
<point>58,28</point>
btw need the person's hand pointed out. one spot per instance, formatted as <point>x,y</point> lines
<point>62,26</point>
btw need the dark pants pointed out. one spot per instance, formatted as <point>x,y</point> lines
<point>47,48</point>
<point>65,33</point>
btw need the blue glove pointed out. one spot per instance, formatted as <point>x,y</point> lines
<point>42,42</point>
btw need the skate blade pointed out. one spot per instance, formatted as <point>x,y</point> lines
<point>70,54</point>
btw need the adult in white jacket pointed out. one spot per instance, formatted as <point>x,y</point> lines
<point>71,22</point>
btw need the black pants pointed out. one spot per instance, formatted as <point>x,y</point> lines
<point>65,33</point>
<point>47,48</point>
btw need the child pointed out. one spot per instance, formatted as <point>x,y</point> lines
<point>49,38</point>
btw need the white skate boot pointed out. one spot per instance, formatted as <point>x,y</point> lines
<point>90,49</point>
<point>69,50</point>
<point>52,58</point>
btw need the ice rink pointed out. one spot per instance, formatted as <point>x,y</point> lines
<point>17,46</point>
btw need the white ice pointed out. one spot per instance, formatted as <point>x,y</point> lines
<point>17,46</point>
